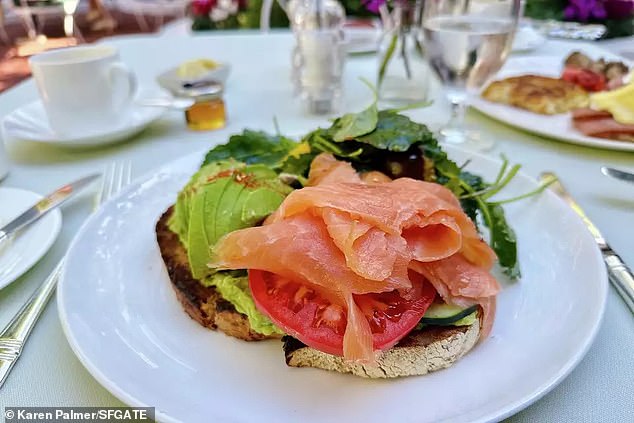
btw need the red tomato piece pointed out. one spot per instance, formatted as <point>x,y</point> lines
<point>585,78</point>
<point>319,320</point>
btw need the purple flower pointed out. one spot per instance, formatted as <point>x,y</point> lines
<point>584,10</point>
<point>373,5</point>
<point>619,9</point>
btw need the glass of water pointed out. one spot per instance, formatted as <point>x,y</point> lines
<point>467,42</point>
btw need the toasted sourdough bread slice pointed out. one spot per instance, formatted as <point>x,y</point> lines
<point>205,305</point>
<point>422,351</point>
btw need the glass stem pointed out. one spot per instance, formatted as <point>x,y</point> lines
<point>456,123</point>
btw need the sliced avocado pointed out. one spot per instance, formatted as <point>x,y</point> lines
<point>259,204</point>
<point>220,198</point>
<point>201,231</point>
<point>234,287</point>
<point>208,174</point>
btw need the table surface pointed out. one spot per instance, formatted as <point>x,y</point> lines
<point>258,90</point>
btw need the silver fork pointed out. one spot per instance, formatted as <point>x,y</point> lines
<point>15,334</point>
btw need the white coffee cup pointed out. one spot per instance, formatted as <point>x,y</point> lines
<point>84,89</point>
<point>4,161</point>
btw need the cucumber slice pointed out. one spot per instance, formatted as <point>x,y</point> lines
<point>446,314</point>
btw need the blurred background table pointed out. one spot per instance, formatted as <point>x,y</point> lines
<point>258,90</point>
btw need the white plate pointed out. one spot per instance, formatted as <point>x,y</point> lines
<point>556,126</point>
<point>27,247</point>
<point>29,123</point>
<point>170,80</point>
<point>123,321</point>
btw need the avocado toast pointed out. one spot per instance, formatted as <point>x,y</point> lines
<point>254,246</point>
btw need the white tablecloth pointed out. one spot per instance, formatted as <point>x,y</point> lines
<point>599,389</point>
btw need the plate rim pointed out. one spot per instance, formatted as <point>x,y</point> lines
<point>46,246</point>
<point>497,415</point>
<point>484,106</point>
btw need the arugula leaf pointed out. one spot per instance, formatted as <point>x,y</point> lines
<point>444,166</point>
<point>253,147</point>
<point>320,142</point>
<point>470,188</point>
<point>503,240</point>
<point>298,165</point>
<point>470,205</point>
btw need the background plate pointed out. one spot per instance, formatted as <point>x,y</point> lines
<point>555,126</point>
<point>124,323</point>
<point>28,246</point>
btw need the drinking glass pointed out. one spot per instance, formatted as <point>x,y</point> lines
<point>467,42</point>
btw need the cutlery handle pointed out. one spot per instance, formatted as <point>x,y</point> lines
<point>15,334</point>
<point>622,278</point>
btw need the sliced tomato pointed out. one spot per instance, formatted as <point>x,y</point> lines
<point>585,78</point>
<point>319,318</point>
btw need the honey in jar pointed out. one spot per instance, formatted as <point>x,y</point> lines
<point>208,111</point>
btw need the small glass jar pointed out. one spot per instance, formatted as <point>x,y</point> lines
<point>208,111</point>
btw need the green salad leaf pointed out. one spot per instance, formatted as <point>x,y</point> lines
<point>396,132</point>
<point>353,125</point>
<point>253,147</point>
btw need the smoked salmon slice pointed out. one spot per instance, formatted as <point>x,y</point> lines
<point>462,283</point>
<point>348,237</point>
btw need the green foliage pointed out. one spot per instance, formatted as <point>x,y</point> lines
<point>619,27</point>
<point>202,23</point>
<point>250,18</point>
<point>545,9</point>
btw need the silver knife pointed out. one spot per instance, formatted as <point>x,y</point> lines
<point>45,205</point>
<point>618,174</point>
<point>620,275</point>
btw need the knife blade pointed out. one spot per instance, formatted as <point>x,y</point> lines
<point>46,204</point>
<point>618,174</point>
<point>619,274</point>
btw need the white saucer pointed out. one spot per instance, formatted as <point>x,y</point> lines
<point>29,123</point>
<point>24,249</point>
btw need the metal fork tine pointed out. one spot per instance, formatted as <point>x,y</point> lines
<point>113,181</point>
<point>102,188</point>
<point>120,176</point>
<point>128,175</point>
<point>107,184</point>
<point>15,334</point>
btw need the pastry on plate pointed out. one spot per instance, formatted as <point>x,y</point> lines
<point>538,94</point>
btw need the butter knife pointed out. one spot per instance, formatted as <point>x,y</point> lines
<point>46,204</point>
<point>618,174</point>
<point>620,275</point>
